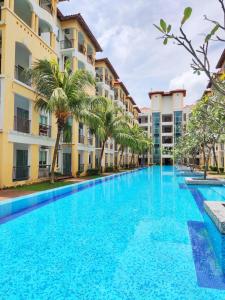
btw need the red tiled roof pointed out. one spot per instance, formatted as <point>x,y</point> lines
<point>117,82</point>
<point>145,109</point>
<point>109,65</point>
<point>170,93</point>
<point>83,24</point>
<point>137,108</point>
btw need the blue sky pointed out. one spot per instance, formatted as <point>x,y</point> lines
<point>125,30</point>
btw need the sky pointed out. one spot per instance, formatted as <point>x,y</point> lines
<point>124,29</point>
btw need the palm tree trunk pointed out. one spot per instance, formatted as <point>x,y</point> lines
<point>121,156</point>
<point>55,155</point>
<point>215,159</point>
<point>101,156</point>
<point>204,160</point>
<point>132,159</point>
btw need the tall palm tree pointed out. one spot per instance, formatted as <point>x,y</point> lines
<point>141,142</point>
<point>107,121</point>
<point>60,93</point>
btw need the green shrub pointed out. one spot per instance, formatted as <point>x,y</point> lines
<point>221,170</point>
<point>93,172</point>
<point>213,168</point>
<point>109,169</point>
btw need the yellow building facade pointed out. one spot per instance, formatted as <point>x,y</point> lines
<point>32,30</point>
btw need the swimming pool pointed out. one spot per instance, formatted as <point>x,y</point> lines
<point>139,236</point>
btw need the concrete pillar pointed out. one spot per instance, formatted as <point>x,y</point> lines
<point>52,40</point>
<point>74,64</point>
<point>34,162</point>
<point>74,166</point>
<point>36,24</point>
<point>33,19</point>
<point>11,4</point>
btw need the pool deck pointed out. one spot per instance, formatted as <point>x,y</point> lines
<point>11,193</point>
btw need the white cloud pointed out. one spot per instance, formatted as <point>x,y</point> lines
<point>126,32</point>
<point>194,85</point>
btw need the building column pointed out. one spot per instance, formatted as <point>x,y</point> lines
<point>11,4</point>
<point>34,162</point>
<point>36,24</point>
<point>74,167</point>
<point>74,64</point>
<point>52,40</point>
<point>33,19</point>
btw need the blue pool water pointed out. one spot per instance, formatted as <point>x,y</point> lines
<point>141,236</point>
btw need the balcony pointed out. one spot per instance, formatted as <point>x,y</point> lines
<point>46,5</point>
<point>90,141</point>
<point>67,44</point>
<point>90,59</point>
<point>99,77</point>
<point>44,171</point>
<point>82,49</point>
<point>120,104</point>
<point>21,173</point>
<point>81,168</point>
<point>44,130</point>
<point>21,75</point>
<point>21,124</point>
<point>81,139</point>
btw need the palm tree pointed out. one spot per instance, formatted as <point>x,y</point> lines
<point>107,121</point>
<point>141,142</point>
<point>60,93</point>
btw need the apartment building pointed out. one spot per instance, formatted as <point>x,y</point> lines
<point>37,30</point>
<point>145,122</point>
<point>164,122</point>
<point>32,30</point>
<point>106,76</point>
<point>220,147</point>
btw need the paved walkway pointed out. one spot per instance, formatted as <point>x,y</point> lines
<point>13,193</point>
<point>8,194</point>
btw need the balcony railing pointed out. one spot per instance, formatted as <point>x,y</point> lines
<point>67,44</point>
<point>99,77</point>
<point>90,59</point>
<point>90,141</point>
<point>46,4</point>
<point>81,139</point>
<point>44,171</point>
<point>21,75</point>
<point>21,173</point>
<point>44,130</point>
<point>21,124</point>
<point>82,49</point>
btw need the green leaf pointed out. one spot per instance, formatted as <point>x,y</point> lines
<point>169,28</point>
<point>215,29</point>
<point>158,28</point>
<point>163,25</point>
<point>187,14</point>
<point>165,41</point>
<point>208,37</point>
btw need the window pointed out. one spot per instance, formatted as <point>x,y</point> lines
<point>167,118</point>
<point>43,120</point>
<point>81,65</point>
<point>43,157</point>
<point>167,129</point>
<point>167,140</point>
<point>81,47</point>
